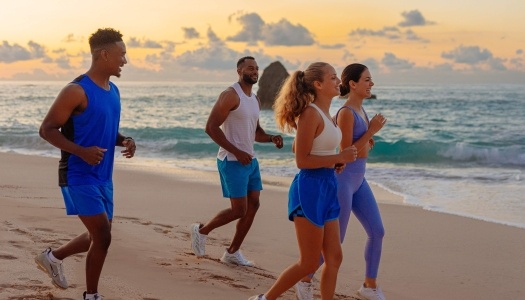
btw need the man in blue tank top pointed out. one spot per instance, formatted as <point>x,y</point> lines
<point>83,123</point>
<point>234,125</point>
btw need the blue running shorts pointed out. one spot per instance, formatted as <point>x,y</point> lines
<point>88,200</point>
<point>237,179</point>
<point>314,192</point>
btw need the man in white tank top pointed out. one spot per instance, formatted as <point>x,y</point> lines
<point>234,125</point>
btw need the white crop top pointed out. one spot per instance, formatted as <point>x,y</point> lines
<point>327,142</point>
<point>240,125</point>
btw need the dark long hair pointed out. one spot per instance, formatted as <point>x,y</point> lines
<point>351,72</point>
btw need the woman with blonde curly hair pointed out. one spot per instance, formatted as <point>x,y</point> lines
<point>303,106</point>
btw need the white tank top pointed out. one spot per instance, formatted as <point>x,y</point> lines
<point>240,125</point>
<point>327,142</point>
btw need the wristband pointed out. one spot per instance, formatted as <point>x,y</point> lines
<point>271,138</point>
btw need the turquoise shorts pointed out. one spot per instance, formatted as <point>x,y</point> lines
<point>313,195</point>
<point>238,179</point>
<point>88,200</point>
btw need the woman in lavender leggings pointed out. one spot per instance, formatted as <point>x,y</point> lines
<point>353,191</point>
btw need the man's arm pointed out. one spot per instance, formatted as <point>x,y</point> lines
<point>227,101</point>
<point>70,100</point>
<point>262,137</point>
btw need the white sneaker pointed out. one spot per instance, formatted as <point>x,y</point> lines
<point>258,297</point>
<point>198,241</point>
<point>53,270</point>
<point>97,296</point>
<point>304,290</point>
<point>370,293</point>
<point>236,258</point>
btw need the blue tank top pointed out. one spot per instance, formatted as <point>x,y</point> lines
<point>97,125</point>
<point>360,125</point>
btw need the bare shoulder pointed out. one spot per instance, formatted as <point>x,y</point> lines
<point>71,97</point>
<point>310,116</point>
<point>310,112</point>
<point>229,99</point>
<point>345,110</point>
<point>72,90</point>
<point>345,114</point>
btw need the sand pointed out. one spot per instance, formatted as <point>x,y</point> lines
<point>426,255</point>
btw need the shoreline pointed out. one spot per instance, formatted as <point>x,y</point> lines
<point>382,193</point>
<point>426,255</point>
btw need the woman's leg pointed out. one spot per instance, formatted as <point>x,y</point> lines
<point>333,256</point>
<point>310,239</point>
<point>367,212</point>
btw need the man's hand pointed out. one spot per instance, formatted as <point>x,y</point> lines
<point>243,157</point>
<point>92,155</point>
<point>129,150</point>
<point>277,140</point>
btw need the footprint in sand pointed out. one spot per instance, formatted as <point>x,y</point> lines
<point>7,257</point>
<point>229,281</point>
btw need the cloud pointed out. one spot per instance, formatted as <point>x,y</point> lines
<point>63,62</point>
<point>347,56</point>
<point>213,38</point>
<point>412,36</point>
<point>9,54</point>
<point>134,42</point>
<point>469,55</point>
<point>70,38</point>
<point>215,55</point>
<point>496,64</point>
<point>414,18</point>
<point>190,33</point>
<point>39,74</point>
<point>444,67</point>
<point>282,33</point>
<point>392,33</point>
<point>59,51</point>
<point>333,46</point>
<point>252,28</point>
<point>517,63</point>
<point>392,62</point>
<point>37,50</point>
<point>13,53</point>
<point>371,64</point>
<point>519,51</point>
<point>213,61</point>
<point>164,56</point>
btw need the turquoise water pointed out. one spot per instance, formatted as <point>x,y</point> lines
<point>458,149</point>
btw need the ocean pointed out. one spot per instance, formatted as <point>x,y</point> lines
<point>457,149</point>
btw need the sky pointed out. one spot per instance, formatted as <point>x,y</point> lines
<point>401,42</point>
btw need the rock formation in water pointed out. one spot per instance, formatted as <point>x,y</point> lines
<point>270,82</point>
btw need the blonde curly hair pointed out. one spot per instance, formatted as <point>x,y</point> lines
<point>296,93</point>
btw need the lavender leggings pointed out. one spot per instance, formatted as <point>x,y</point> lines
<point>355,196</point>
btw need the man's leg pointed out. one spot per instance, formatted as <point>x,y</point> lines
<point>99,228</point>
<point>237,210</point>
<point>79,244</point>
<point>245,222</point>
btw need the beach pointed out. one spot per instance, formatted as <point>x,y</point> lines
<point>426,255</point>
